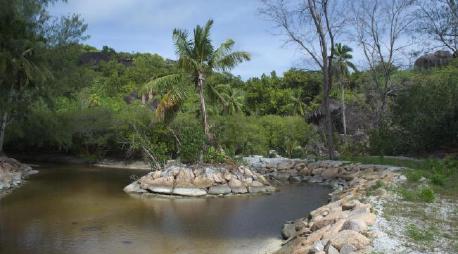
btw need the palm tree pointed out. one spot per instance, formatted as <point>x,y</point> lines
<point>199,59</point>
<point>229,97</point>
<point>342,66</point>
<point>20,70</point>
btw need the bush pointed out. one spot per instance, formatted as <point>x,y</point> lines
<point>239,134</point>
<point>248,135</point>
<point>424,115</point>
<point>212,155</point>
<point>191,137</point>
<point>427,195</point>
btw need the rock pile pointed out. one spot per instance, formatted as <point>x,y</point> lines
<point>201,180</point>
<point>12,172</point>
<point>339,174</point>
<point>338,227</point>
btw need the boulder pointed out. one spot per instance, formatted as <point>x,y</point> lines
<point>330,173</point>
<point>288,230</point>
<point>167,181</point>
<point>355,225</point>
<point>331,250</point>
<point>160,189</point>
<point>239,190</point>
<point>347,249</point>
<point>134,188</point>
<point>350,237</point>
<point>366,217</point>
<point>317,247</point>
<point>203,181</point>
<point>190,192</point>
<point>285,164</point>
<point>184,178</point>
<point>222,189</point>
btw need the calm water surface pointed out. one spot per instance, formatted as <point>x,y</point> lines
<point>83,210</point>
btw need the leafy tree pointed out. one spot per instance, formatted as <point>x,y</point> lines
<point>25,31</point>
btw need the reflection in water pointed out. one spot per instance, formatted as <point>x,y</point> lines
<point>75,209</point>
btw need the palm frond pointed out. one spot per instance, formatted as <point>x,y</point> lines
<point>163,84</point>
<point>230,60</point>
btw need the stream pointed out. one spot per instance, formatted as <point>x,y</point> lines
<point>74,209</point>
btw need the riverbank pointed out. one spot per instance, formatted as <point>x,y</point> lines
<point>12,174</point>
<point>343,225</point>
<point>374,208</point>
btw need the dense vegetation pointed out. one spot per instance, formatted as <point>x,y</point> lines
<point>59,95</point>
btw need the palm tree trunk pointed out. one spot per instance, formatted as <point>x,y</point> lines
<point>344,121</point>
<point>2,131</point>
<point>203,110</point>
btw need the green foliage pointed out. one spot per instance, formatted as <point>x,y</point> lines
<point>424,117</point>
<point>191,136</point>
<point>213,155</point>
<point>281,96</point>
<point>239,134</point>
<point>427,195</point>
<point>417,234</point>
<point>423,194</point>
<point>246,135</point>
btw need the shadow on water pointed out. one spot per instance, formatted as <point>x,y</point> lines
<point>78,209</point>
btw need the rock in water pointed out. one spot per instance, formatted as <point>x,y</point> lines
<point>201,180</point>
<point>190,192</point>
<point>222,189</point>
<point>134,188</point>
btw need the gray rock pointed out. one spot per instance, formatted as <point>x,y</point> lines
<point>317,247</point>
<point>239,190</point>
<point>134,188</point>
<point>288,230</point>
<point>161,189</point>
<point>347,249</point>
<point>190,192</point>
<point>295,179</point>
<point>402,178</point>
<point>332,250</point>
<point>355,225</point>
<point>282,176</point>
<point>316,179</point>
<point>222,189</point>
<point>261,189</point>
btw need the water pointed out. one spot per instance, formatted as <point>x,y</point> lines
<point>83,210</point>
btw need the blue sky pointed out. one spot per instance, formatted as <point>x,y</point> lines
<point>146,26</point>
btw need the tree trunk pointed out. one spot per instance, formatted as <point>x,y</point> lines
<point>327,112</point>
<point>344,121</point>
<point>2,131</point>
<point>203,110</point>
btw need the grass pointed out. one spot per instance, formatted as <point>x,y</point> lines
<point>442,174</point>
<point>382,160</point>
<point>372,189</point>
<point>422,194</point>
<point>420,235</point>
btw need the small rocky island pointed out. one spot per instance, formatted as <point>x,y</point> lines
<point>201,180</point>
<point>12,173</point>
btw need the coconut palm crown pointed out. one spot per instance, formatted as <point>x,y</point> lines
<point>197,58</point>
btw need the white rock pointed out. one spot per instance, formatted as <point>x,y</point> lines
<point>134,188</point>
<point>191,192</point>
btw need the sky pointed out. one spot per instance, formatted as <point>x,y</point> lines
<point>146,26</point>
